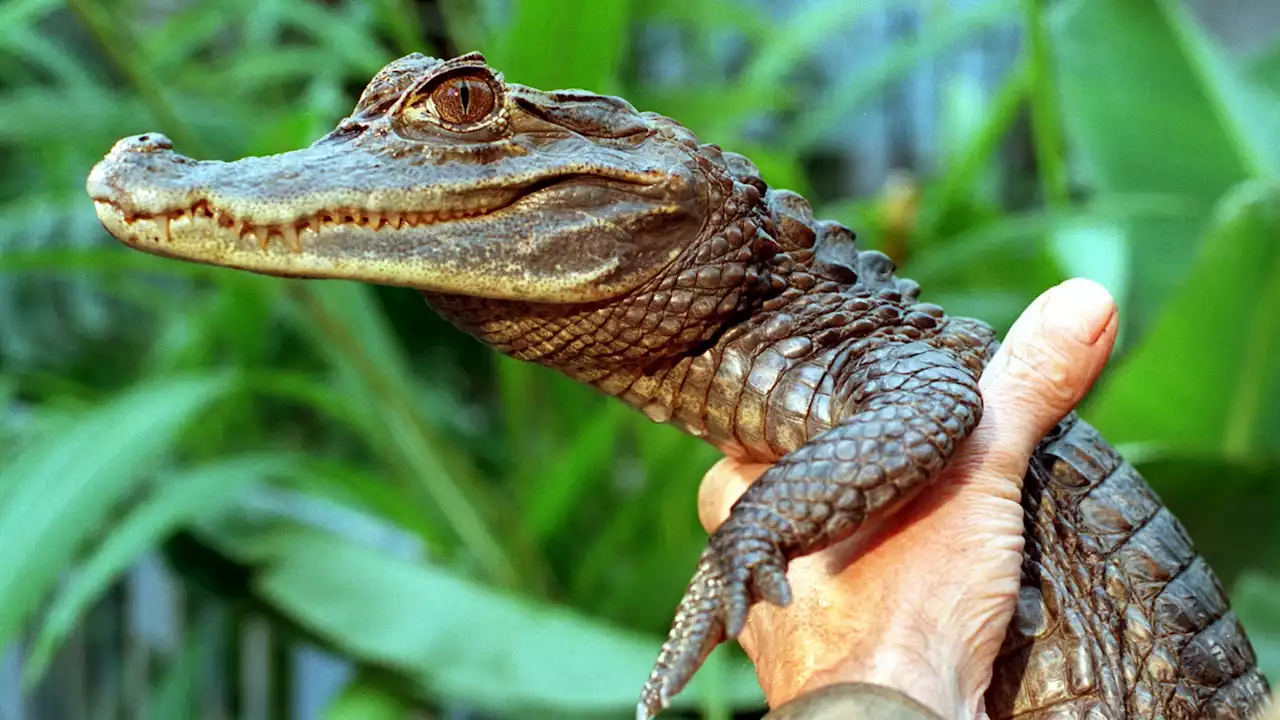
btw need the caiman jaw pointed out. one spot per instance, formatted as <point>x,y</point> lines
<point>159,226</point>
<point>506,239</point>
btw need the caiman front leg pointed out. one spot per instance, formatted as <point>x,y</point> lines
<point>907,407</point>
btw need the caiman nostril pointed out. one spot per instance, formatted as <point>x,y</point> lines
<point>150,142</point>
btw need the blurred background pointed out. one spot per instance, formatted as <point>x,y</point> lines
<point>228,496</point>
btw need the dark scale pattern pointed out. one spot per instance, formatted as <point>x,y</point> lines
<point>1110,580</point>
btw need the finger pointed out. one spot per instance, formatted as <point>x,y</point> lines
<point>1049,360</point>
<point>721,487</point>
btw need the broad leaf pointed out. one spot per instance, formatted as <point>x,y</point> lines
<point>1151,106</point>
<point>60,488</point>
<point>1204,376</point>
<point>448,637</point>
<point>345,323</point>
<point>177,500</point>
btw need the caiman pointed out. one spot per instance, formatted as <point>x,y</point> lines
<point>569,229</point>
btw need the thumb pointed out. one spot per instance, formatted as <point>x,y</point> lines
<point>1048,362</point>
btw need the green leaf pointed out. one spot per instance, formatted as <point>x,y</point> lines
<point>811,26</point>
<point>43,51</point>
<point>360,488</point>
<point>1095,250</point>
<point>979,245</point>
<point>1214,354</point>
<point>185,31</point>
<point>177,500</point>
<point>275,66</point>
<point>448,637</point>
<point>636,566</point>
<point>57,116</point>
<point>23,14</point>
<point>1046,133</point>
<point>339,32</point>
<point>61,487</point>
<point>1248,123</point>
<point>549,45</point>
<point>400,20</point>
<point>1151,106</point>
<point>973,129</point>
<point>699,14</point>
<point>104,260</point>
<point>1227,507</point>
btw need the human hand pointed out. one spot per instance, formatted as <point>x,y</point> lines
<point>922,601</point>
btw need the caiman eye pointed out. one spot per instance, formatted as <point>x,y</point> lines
<point>464,99</point>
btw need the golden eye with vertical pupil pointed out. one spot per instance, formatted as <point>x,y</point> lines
<point>461,101</point>
<point>464,99</point>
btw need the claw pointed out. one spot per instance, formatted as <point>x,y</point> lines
<point>771,585</point>
<point>697,630</point>
<point>645,712</point>
<point>734,568</point>
<point>737,605</point>
<point>749,562</point>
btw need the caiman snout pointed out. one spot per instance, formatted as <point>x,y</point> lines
<point>149,156</point>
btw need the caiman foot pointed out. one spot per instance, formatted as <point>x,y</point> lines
<point>740,565</point>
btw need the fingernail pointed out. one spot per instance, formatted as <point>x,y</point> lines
<point>1081,308</point>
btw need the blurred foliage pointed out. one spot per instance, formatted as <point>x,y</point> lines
<point>337,457</point>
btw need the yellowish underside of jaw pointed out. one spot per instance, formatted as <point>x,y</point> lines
<point>201,235</point>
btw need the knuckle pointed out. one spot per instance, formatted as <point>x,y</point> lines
<point>1039,373</point>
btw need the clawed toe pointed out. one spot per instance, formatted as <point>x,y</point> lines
<point>754,569</point>
<point>766,580</point>
<point>732,573</point>
<point>698,628</point>
<point>736,606</point>
<point>771,585</point>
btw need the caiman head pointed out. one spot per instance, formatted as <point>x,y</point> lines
<point>444,178</point>
<point>564,227</point>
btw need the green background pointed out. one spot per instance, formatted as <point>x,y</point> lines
<point>477,533</point>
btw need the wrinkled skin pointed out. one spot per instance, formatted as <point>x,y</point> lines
<point>568,229</point>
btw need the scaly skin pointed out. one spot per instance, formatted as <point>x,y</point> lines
<point>568,229</point>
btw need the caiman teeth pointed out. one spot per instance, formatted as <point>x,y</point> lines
<point>296,233</point>
<point>290,234</point>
